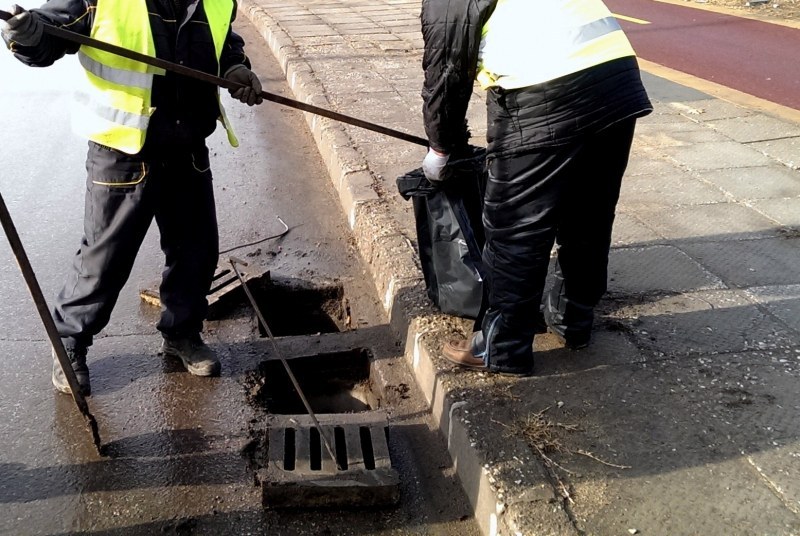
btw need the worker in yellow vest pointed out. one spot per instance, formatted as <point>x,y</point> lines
<point>147,158</point>
<point>563,95</point>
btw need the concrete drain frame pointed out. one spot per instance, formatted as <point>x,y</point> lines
<point>300,473</point>
<point>292,463</point>
<point>295,469</point>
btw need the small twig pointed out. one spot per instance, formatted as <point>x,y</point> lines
<point>568,427</point>
<point>549,465</point>
<point>551,462</point>
<point>595,458</point>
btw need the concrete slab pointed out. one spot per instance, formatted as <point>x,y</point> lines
<point>708,223</point>
<point>750,263</point>
<point>711,110</point>
<point>630,231</point>
<point>677,134</point>
<point>783,211</point>
<point>650,164</point>
<point>716,155</point>
<point>750,183</point>
<point>656,269</point>
<point>675,189</point>
<point>754,128</point>
<point>784,151</point>
<point>662,115</point>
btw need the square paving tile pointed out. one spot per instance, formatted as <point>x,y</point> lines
<point>715,222</point>
<point>764,182</point>
<point>656,269</point>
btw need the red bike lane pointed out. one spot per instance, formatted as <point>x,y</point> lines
<point>754,57</point>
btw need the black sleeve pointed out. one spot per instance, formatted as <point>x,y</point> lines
<point>451,31</point>
<point>73,15</point>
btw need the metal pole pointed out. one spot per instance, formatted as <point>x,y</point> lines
<point>278,353</point>
<point>49,325</point>
<point>218,81</point>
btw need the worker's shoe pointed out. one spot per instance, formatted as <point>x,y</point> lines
<point>197,357</point>
<point>459,352</point>
<point>77,358</point>
<point>469,353</point>
<point>575,335</point>
<point>573,340</point>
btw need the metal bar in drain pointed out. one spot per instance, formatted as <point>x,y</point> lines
<point>234,261</point>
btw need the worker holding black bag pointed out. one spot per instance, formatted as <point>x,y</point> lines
<point>563,95</point>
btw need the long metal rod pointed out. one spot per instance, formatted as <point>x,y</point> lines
<point>221,82</point>
<point>278,353</point>
<point>44,313</point>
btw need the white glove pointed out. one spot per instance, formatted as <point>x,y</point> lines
<point>24,28</point>
<point>433,165</point>
<point>251,93</point>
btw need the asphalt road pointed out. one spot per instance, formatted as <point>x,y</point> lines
<point>755,57</point>
<point>178,443</point>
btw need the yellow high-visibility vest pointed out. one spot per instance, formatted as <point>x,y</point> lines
<point>527,42</point>
<point>117,108</point>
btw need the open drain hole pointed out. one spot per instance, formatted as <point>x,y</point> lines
<point>295,307</point>
<point>366,447</point>
<point>338,382</point>
<point>341,449</point>
<point>289,450</point>
<point>315,446</point>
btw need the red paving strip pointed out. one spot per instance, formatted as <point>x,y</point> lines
<point>755,57</point>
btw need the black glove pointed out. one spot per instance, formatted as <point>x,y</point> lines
<point>251,93</point>
<point>24,28</point>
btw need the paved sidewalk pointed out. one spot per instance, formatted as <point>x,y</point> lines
<point>682,417</point>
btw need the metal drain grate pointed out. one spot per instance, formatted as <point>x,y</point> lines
<point>300,472</point>
<point>225,288</point>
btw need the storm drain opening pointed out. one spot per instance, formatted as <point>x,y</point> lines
<point>298,307</point>
<point>290,306</point>
<point>339,382</point>
<point>300,472</point>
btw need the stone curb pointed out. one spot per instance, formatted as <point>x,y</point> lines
<point>499,507</point>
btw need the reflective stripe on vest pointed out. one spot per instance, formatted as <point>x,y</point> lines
<point>219,11</point>
<point>526,43</point>
<point>118,109</point>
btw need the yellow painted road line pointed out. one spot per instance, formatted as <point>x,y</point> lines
<point>630,19</point>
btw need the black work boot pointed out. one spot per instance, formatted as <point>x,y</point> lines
<point>198,358</point>
<point>77,357</point>
<point>570,321</point>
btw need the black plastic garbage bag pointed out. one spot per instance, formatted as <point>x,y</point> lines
<point>450,233</point>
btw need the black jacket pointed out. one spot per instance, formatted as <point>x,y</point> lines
<point>186,109</point>
<point>552,113</point>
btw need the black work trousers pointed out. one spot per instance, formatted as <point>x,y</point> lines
<point>123,195</point>
<point>565,194</point>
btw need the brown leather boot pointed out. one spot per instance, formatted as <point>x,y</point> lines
<point>459,352</point>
